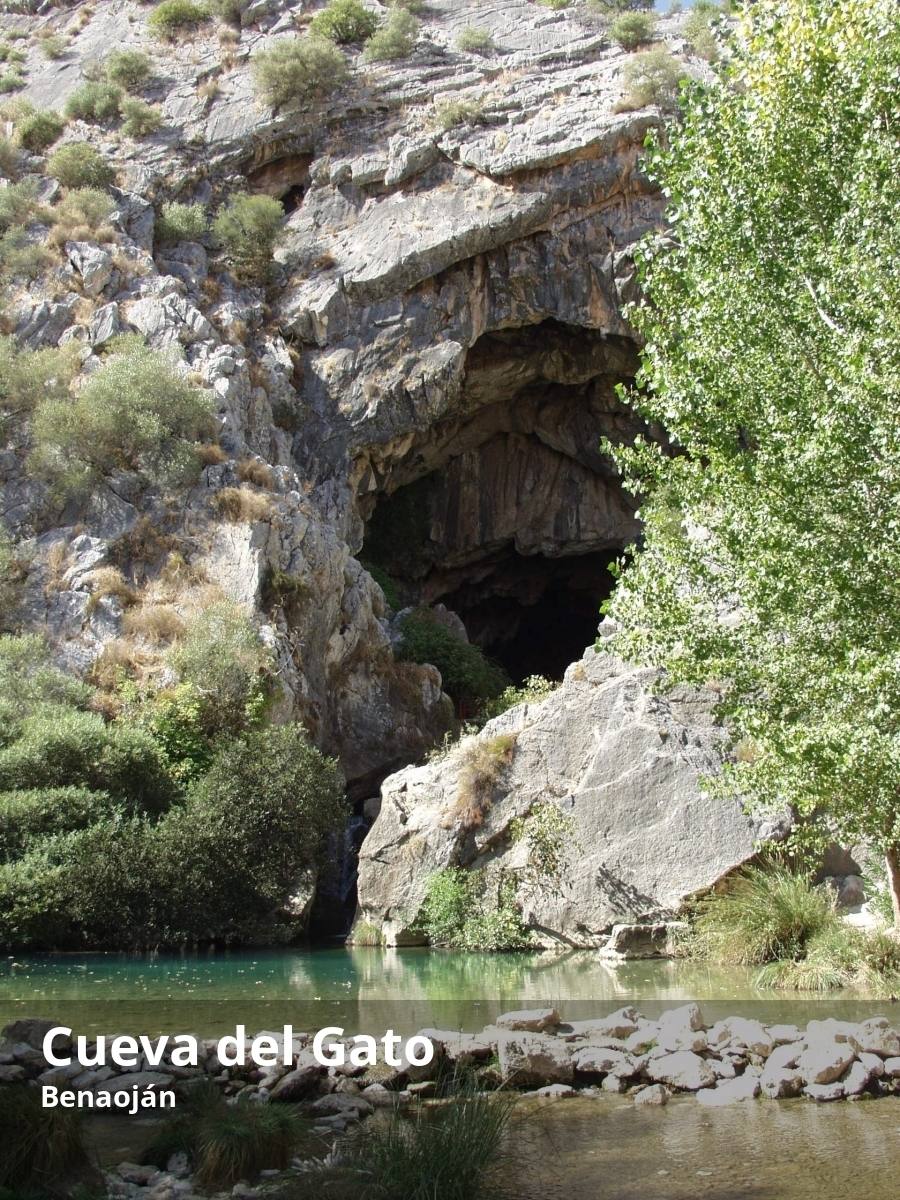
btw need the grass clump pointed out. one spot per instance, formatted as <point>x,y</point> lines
<point>453,1152</point>
<point>128,69</point>
<point>453,113</point>
<point>53,46</point>
<point>11,81</point>
<point>29,377</point>
<point>246,229</point>
<point>241,505</point>
<point>226,1143</point>
<point>761,914</point>
<point>483,764</point>
<point>136,413</point>
<point>78,165</point>
<point>21,257</point>
<point>344,22</point>
<point>632,29</point>
<point>395,39</point>
<point>840,956</point>
<point>474,39</point>
<point>466,673</point>
<point>139,118</point>
<point>181,222</point>
<point>94,101</point>
<point>301,69</point>
<point>173,18</point>
<point>41,1147</point>
<point>652,77</point>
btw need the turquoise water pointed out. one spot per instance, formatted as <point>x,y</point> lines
<point>370,990</point>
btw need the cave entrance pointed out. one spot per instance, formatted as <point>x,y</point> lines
<point>508,512</point>
<point>535,615</point>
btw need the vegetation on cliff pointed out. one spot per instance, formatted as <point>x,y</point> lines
<point>185,818</point>
<point>771,557</point>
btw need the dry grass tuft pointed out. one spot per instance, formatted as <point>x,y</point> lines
<point>211,454</point>
<point>109,582</point>
<point>252,470</point>
<point>157,624</point>
<point>483,765</point>
<point>242,505</point>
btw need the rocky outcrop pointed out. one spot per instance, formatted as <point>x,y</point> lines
<point>622,761</point>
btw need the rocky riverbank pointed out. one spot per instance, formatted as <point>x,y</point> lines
<point>534,1053</point>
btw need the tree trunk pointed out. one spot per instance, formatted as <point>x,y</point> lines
<point>892,860</point>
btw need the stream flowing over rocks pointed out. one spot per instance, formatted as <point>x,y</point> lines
<point>534,1053</point>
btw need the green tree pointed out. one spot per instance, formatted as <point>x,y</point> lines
<point>771,560</point>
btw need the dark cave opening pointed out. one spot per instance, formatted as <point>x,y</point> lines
<point>535,615</point>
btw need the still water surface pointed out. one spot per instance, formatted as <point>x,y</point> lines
<point>370,990</point>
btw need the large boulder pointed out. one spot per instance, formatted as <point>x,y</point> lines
<point>623,762</point>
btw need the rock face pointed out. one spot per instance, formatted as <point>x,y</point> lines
<point>624,764</point>
<point>446,309</point>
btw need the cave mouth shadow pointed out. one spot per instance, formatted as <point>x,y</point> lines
<point>532,614</point>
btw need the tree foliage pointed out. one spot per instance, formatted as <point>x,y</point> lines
<point>771,561</point>
<point>136,413</point>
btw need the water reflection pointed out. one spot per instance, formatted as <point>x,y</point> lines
<point>365,989</point>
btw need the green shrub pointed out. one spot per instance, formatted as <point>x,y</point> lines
<point>452,113</point>
<point>395,39</point>
<point>181,222</point>
<point>27,816</point>
<point>556,5</point>
<point>22,257</point>
<point>609,8</point>
<point>129,69</point>
<point>388,585</point>
<point>535,689</point>
<point>29,682</point>
<point>412,6</point>
<point>136,413</point>
<point>251,827</point>
<point>453,1152</point>
<point>60,747</point>
<point>42,1147</point>
<point>54,46</point>
<point>10,578</point>
<point>632,29</point>
<point>27,377</point>
<point>475,40</point>
<point>18,203</point>
<point>83,211</point>
<point>94,101</point>
<point>226,1143</point>
<point>651,78</point>
<point>247,228</point>
<point>78,164</point>
<point>344,21</point>
<point>223,658</point>
<point>698,29</point>
<point>761,914</point>
<point>302,69</point>
<point>466,674</point>
<point>139,119</point>
<point>171,18</point>
<point>10,158</point>
<point>473,910</point>
<point>37,130</point>
<point>229,11</point>
<point>32,905</point>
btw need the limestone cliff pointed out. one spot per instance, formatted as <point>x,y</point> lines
<point>445,313</point>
